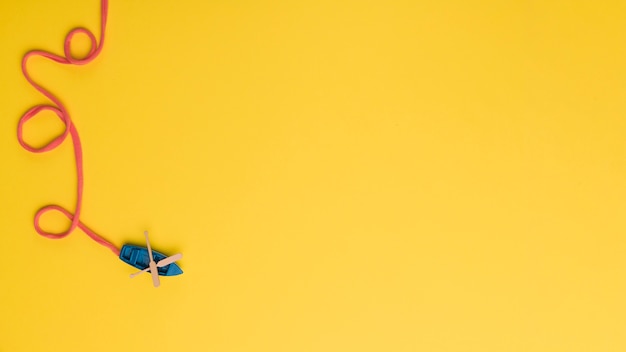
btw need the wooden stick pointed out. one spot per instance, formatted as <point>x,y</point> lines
<point>153,268</point>
<point>167,261</point>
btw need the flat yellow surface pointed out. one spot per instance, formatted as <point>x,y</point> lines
<point>339,175</point>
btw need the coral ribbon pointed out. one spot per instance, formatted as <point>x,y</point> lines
<point>70,129</point>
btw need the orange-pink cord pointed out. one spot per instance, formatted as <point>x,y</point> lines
<point>59,109</point>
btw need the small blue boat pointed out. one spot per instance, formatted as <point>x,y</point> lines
<point>138,257</point>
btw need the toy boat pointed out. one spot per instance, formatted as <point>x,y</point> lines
<point>138,257</point>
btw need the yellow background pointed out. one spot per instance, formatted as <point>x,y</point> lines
<point>339,175</point>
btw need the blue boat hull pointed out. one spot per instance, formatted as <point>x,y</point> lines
<point>137,257</point>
